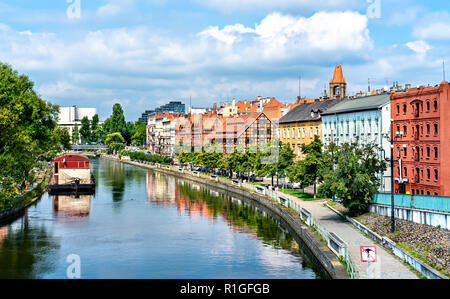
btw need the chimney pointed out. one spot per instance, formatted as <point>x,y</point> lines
<point>215,107</point>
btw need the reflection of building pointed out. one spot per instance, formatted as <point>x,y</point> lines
<point>3,232</point>
<point>422,135</point>
<point>72,206</point>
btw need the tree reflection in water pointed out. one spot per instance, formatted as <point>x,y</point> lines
<point>26,252</point>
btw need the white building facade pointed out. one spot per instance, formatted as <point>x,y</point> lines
<point>366,119</point>
<point>69,116</point>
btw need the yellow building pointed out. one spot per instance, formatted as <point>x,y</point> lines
<point>302,123</point>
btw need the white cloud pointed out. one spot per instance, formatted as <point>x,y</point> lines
<point>435,26</point>
<point>108,10</point>
<point>420,47</point>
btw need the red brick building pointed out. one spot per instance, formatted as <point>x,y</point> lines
<point>421,127</point>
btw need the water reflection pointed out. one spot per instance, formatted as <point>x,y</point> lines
<point>72,205</point>
<point>26,252</point>
<point>195,201</point>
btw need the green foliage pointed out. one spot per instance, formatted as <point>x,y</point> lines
<point>138,138</point>
<point>314,167</point>
<point>355,177</point>
<point>61,137</point>
<point>141,156</point>
<point>115,143</point>
<point>27,127</point>
<point>85,130</point>
<point>75,134</point>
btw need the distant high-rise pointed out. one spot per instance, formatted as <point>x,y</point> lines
<point>175,107</point>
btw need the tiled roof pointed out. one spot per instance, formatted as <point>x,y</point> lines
<point>360,104</point>
<point>308,111</point>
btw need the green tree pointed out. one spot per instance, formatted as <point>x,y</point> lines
<point>27,125</point>
<point>95,129</point>
<point>117,123</point>
<point>115,143</point>
<point>356,176</point>
<point>85,130</point>
<point>314,167</point>
<point>75,134</point>
<point>62,138</point>
<point>140,134</point>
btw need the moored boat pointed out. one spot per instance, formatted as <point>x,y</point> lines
<point>71,173</point>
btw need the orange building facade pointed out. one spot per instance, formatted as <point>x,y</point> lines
<point>421,131</point>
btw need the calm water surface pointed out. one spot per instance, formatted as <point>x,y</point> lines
<point>142,224</point>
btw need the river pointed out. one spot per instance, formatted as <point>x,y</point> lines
<point>142,224</point>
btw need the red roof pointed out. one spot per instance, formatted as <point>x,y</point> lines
<point>72,158</point>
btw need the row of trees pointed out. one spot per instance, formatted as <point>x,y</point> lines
<point>29,136</point>
<point>92,131</point>
<point>349,172</point>
<point>141,156</point>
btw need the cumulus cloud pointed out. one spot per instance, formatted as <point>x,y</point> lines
<point>435,26</point>
<point>420,47</point>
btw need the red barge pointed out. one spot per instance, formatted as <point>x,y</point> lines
<point>71,173</point>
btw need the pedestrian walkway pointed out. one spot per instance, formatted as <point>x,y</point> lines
<point>386,267</point>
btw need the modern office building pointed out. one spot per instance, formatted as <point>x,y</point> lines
<point>69,116</point>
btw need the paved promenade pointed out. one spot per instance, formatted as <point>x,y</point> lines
<point>387,267</point>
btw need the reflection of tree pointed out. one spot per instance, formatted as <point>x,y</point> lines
<point>25,253</point>
<point>240,215</point>
<point>114,175</point>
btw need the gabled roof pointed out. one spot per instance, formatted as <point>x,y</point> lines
<point>360,104</point>
<point>303,112</point>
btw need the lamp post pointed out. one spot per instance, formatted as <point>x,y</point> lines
<point>390,138</point>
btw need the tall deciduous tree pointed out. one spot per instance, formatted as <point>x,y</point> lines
<point>85,130</point>
<point>27,124</point>
<point>75,134</point>
<point>356,176</point>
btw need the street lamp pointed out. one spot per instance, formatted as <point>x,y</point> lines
<point>391,138</point>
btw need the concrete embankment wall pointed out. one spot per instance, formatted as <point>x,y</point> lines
<point>324,259</point>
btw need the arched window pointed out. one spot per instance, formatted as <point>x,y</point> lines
<point>436,153</point>
<point>435,104</point>
<point>436,174</point>
<point>428,106</point>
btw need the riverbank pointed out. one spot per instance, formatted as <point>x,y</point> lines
<point>309,242</point>
<point>26,199</point>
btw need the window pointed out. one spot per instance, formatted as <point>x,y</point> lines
<point>435,104</point>
<point>435,129</point>
<point>428,173</point>
<point>405,130</point>
<point>428,152</point>
<point>436,154</point>
<point>405,172</point>
<point>428,106</point>
<point>436,174</point>
<point>405,152</point>
<point>398,109</point>
<point>404,109</point>
<point>428,129</point>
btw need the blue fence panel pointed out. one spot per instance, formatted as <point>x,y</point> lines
<point>437,203</point>
<point>425,202</point>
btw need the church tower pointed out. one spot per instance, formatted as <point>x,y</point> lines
<point>338,86</point>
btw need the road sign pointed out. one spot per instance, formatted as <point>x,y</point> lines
<point>368,254</point>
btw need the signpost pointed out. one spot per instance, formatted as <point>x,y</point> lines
<point>368,255</point>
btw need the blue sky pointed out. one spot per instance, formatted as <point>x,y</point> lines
<point>143,53</point>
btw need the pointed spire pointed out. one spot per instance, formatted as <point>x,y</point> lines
<point>338,76</point>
